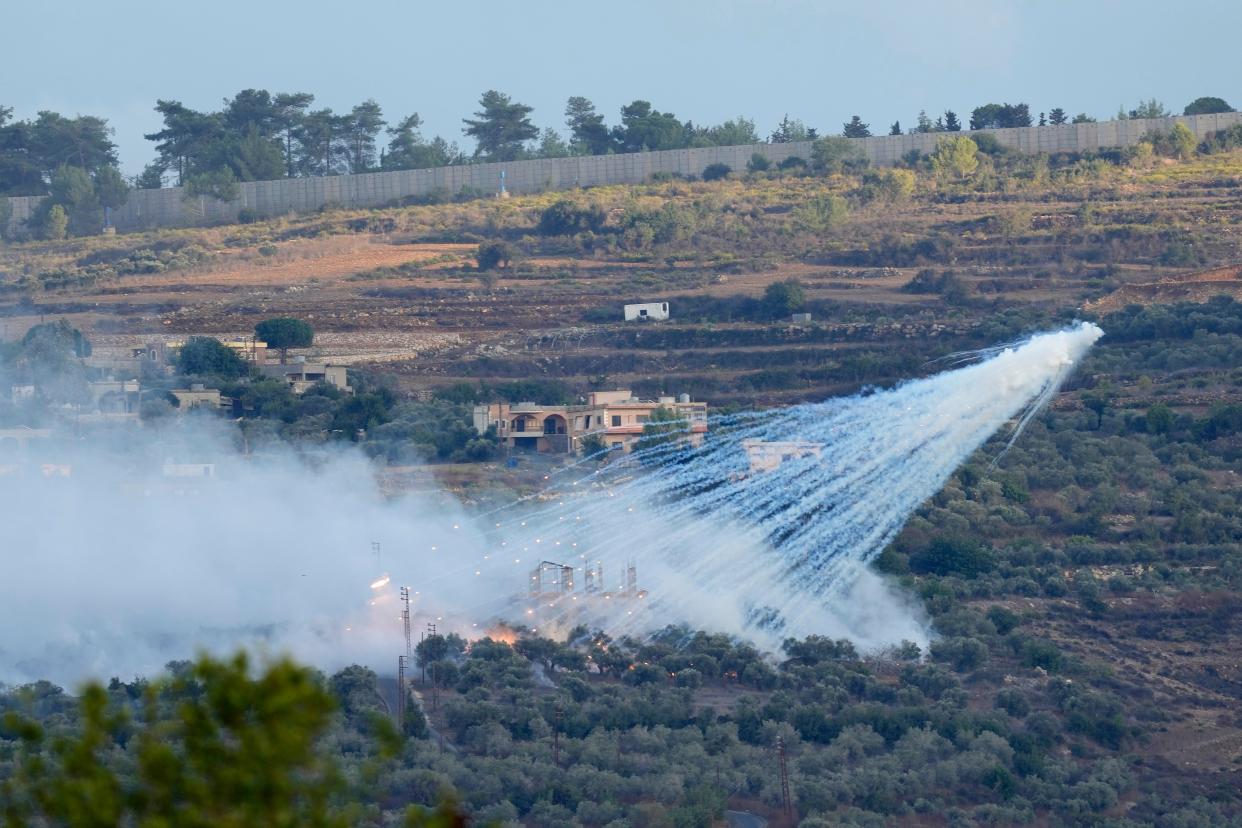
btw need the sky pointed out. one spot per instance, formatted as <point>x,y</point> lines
<point>703,60</point>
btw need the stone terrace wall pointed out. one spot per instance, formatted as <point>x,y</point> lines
<point>167,208</point>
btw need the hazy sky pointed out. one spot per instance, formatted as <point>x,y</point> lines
<point>706,60</point>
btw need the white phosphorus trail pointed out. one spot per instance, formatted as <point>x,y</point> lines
<point>764,531</point>
<point>773,542</point>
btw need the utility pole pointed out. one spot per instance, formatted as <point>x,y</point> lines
<point>401,660</point>
<point>556,736</point>
<point>405,619</point>
<point>422,667</point>
<point>435,693</point>
<point>786,803</point>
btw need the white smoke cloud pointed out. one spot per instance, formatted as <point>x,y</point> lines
<point>119,568</point>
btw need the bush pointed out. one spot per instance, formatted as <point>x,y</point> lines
<point>954,556</point>
<point>1004,619</point>
<point>716,172</point>
<point>956,157</point>
<point>247,215</point>
<point>793,162</point>
<point>758,163</point>
<point>208,356</point>
<point>566,217</point>
<point>783,298</point>
<point>55,223</point>
<point>1179,142</point>
<point>1013,702</point>
<point>963,653</point>
<point>835,154</point>
<point>1223,140</point>
<point>492,255</point>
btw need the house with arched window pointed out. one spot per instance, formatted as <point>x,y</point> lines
<point>616,417</point>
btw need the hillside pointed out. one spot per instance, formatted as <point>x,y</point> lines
<point>1086,583</point>
<point>1025,243</point>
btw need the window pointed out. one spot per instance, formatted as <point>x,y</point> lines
<point>642,312</point>
<point>617,446</point>
<point>642,418</point>
<point>616,419</point>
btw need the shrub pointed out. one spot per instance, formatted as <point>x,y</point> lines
<point>834,154</point>
<point>954,556</point>
<point>784,298</point>
<point>566,217</point>
<point>963,653</point>
<point>820,214</point>
<point>793,162</point>
<point>247,215</point>
<point>891,185</point>
<point>492,255</point>
<point>207,355</point>
<point>758,163</point>
<point>955,158</point>
<point>1013,702</point>
<point>55,223</point>
<point>1179,142</point>
<point>716,172</point>
<point>1004,619</point>
<point>1223,140</point>
<point>989,144</point>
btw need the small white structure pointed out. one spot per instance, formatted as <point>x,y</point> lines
<point>766,455</point>
<point>646,310</point>
<point>172,469</point>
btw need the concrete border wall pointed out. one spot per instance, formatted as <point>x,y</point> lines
<point>166,207</point>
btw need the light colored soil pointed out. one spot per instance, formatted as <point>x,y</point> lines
<point>301,262</point>
<point>1189,287</point>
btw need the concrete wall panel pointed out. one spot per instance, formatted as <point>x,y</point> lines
<point>167,208</point>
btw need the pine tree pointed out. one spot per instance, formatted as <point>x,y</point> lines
<point>501,127</point>
<point>363,126</point>
<point>588,132</point>
<point>856,129</point>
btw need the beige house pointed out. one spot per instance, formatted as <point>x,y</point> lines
<point>249,349</point>
<point>197,396</point>
<point>302,375</point>
<point>615,416</point>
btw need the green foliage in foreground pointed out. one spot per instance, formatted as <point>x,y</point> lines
<point>210,745</point>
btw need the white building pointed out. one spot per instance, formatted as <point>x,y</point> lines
<point>646,310</point>
<point>768,455</point>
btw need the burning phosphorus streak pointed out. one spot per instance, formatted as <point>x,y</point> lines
<point>766,529</point>
<point>764,532</point>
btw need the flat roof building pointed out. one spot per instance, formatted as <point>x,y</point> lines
<point>768,455</point>
<point>644,311</point>
<point>615,416</point>
<point>302,375</point>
